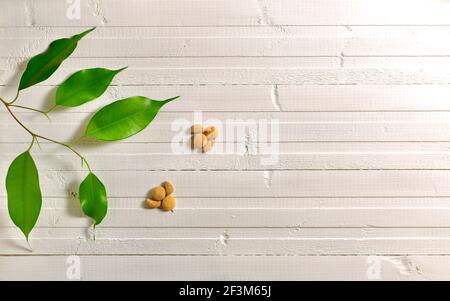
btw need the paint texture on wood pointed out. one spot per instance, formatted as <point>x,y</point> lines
<point>360,92</point>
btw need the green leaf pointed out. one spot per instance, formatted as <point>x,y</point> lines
<point>24,193</point>
<point>43,65</point>
<point>93,198</point>
<point>124,118</point>
<point>83,86</point>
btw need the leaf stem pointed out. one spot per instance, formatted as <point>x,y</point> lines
<point>32,143</point>
<point>29,245</point>
<point>14,100</point>
<point>51,109</point>
<point>16,119</point>
<point>34,135</point>
<point>77,141</point>
<point>69,147</point>
<point>31,109</point>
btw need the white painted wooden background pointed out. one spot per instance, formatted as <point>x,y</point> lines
<point>362,91</point>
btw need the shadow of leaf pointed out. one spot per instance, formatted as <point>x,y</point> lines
<point>9,88</point>
<point>73,206</point>
<point>49,99</point>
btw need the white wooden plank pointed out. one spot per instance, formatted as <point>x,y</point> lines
<point>70,203</point>
<point>397,41</point>
<point>255,75</point>
<point>167,115</point>
<point>240,42</point>
<point>329,98</point>
<point>176,132</point>
<point>311,183</point>
<point>226,245</point>
<point>191,268</point>
<point>195,98</point>
<point>136,12</point>
<point>292,31</point>
<point>234,12</point>
<point>302,70</point>
<point>290,156</point>
<point>261,76</point>
<point>364,97</point>
<point>194,47</point>
<point>356,12</point>
<point>136,63</point>
<point>232,241</point>
<point>135,32</point>
<point>418,62</point>
<point>93,148</point>
<point>398,46</point>
<point>312,161</point>
<point>319,217</point>
<point>105,233</point>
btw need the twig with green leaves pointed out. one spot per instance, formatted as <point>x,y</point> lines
<point>116,121</point>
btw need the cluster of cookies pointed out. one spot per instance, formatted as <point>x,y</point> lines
<point>161,197</point>
<point>203,138</point>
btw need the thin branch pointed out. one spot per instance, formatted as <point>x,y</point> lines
<point>17,119</point>
<point>15,98</point>
<point>32,143</point>
<point>51,109</point>
<point>34,135</point>
<point>77,141</point>
<point>67,146</point>
<point>31,109</point>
